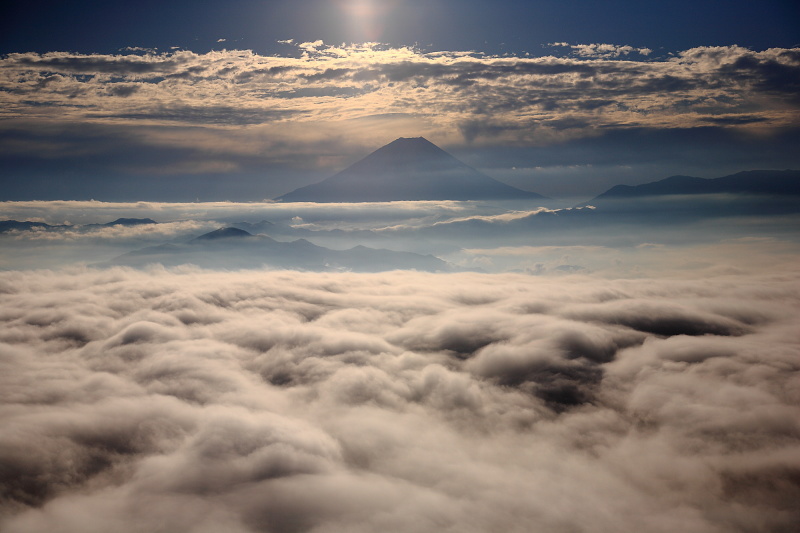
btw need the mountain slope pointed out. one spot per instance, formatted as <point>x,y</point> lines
<point>407,169</point>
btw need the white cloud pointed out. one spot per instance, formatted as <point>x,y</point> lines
<point>602,50</point>
<point>195,401</point>
<point>608,50</point>
<point>96,212</point>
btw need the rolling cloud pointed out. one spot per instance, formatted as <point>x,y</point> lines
<point>193,400</point>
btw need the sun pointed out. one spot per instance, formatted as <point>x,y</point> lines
<point>367,18</point>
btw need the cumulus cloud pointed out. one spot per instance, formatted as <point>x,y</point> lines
<point>203,401</point>
<point>603,50</point>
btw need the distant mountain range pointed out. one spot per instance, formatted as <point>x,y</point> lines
<point>233,248</point>
<point>408,169</point>
<point>673,200</point>
<point>9,225</point>
<point>752,182</point>
<point>750,193</point>
<point>127,222</point>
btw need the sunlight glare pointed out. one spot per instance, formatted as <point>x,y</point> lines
<point>368,18</point>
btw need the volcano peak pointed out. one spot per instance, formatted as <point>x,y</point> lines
<point>408,168</point>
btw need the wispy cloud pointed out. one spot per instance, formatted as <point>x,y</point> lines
<point>366,213</point>
<point>117,233</point>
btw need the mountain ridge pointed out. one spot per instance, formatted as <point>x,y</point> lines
<point>758,182</point>
<point>234,248</point>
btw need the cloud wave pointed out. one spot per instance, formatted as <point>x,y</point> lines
<point>280,401</point>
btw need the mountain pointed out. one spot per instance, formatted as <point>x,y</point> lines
<point>130,222</point>
<point>686,198</point>
<point>121,222</point>
<point>9,225</point>
<point>407,169</point>
<point>223,233</point>
<point>232,248</point>
<point>753,182</point>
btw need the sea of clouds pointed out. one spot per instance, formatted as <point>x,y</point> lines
<point>201,401</point>
<point>596,376</point>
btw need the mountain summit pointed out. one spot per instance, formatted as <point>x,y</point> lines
<point>407,169</point>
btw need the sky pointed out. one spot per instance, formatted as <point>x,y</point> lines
<point>247,100</point>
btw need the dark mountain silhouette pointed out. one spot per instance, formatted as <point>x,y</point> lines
<point>758,182</point>
<point>685,198</point>
<point>233,248</point>
<point>408,169</point>
<point>8,225</point>
<point>130,222</point>
<point>121,222</point>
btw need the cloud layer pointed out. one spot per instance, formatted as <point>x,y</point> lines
<point>235,111</point>
<point>531,98</point>
<point>201,401</point>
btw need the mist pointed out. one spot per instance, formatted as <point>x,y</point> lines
<point>614,237</point>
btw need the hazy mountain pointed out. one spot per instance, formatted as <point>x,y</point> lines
<point>684,198</point>
<point>233,248</point>
<point>121,222</point>
<point>9,225</point>
<point>407,169</point>
<point>753,182</point>
<point>223,233</point>
<point>263,226</point>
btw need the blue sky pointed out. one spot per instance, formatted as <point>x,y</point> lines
<point>248,100</point>
<point>492,27</point>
